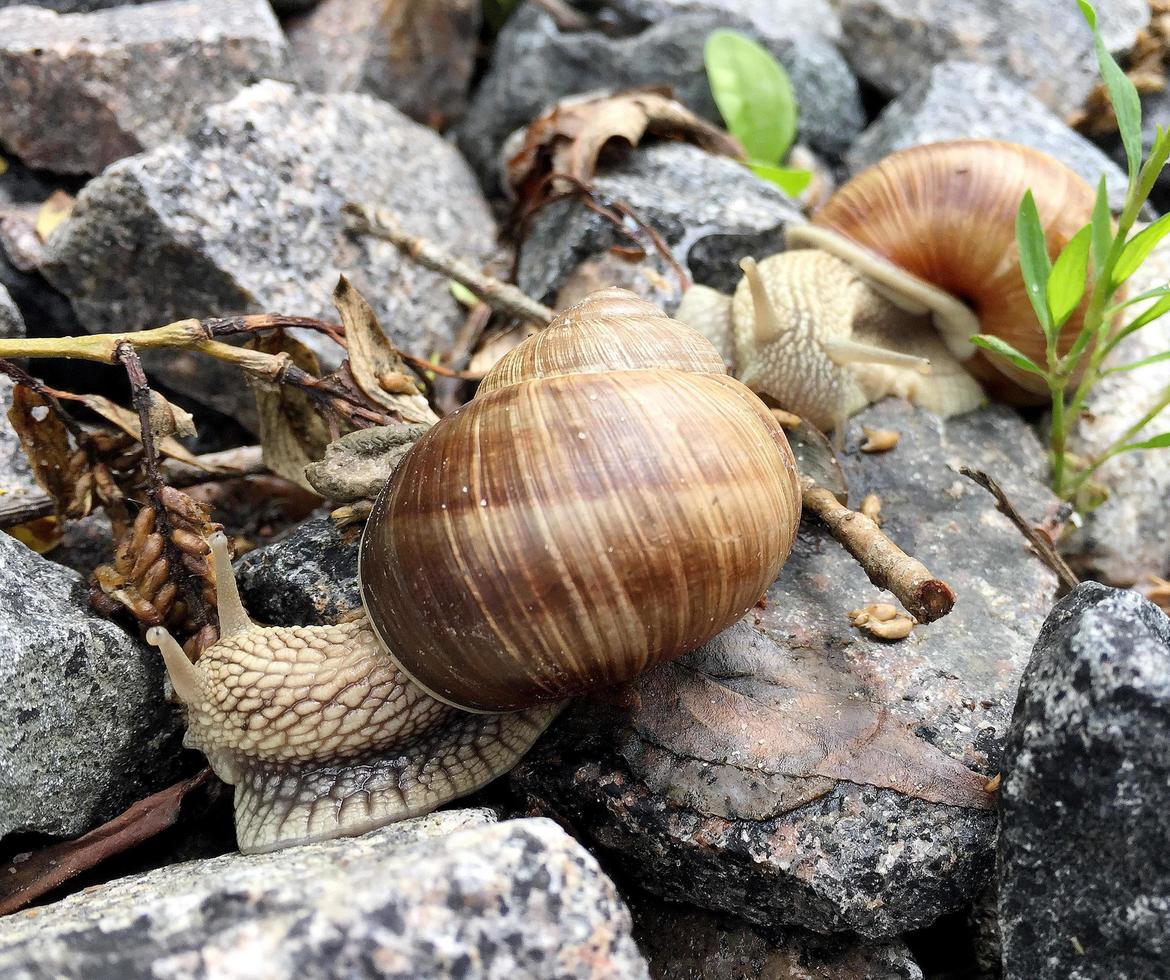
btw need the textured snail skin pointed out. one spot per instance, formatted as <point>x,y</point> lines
<point>642,539</point>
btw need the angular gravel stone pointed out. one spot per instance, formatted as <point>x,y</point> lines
<point>85,729</point>
<point>1044,47</point>
<point>418,57</point>
<point>11,322</point>
<point>732,833</point>
<point>658,42</point>
<point>244,216</point>
<point>449,895</point>
<point>1084,874</point>
<point>78,92</point>
<point>711,211</point>
<point>72,6</point>
<point>959,100</point>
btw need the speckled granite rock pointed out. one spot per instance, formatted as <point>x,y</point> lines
<point>710,210</point>
<point>1127,538</point>
<point>658,42</point>
<point>72,6</point>
<point>682,943</point>
<point>244,215</point>
<point>445,895</point>
<point>84,726</point>
<point>1043,47</point>
<point>79,91</point>
<point>418,57</point>
<point>959,100</point>
<point>16,479</point>
<point>775,838</point>
<point>11,322</point>
<point>1084,876</point>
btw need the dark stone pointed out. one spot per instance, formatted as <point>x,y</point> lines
<point>1084,872</point>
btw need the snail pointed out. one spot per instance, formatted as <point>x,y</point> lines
<point>610,499</point>
<point>892,277</point>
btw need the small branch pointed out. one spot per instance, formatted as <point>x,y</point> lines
<point>501,295</point>
<point>1041,543</point>
<point>926,598</point>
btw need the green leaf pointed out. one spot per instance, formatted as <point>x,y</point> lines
<point>1034,263</point>
<point>1140,297</point>
<point>753,93</point>
<point>1126,104</point>
<point>791,182</point>
<point>1004,349</point>
<point>1102,228</point>
<point>1133,365</point>
<point>1159,309</point>
<point>1066,281</point>
<point>463,295</point>
<point>1157,442</point>
<point>1138,247</point>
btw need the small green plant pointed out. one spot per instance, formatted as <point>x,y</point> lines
<point>755,98</point>
<point>1097,260</point>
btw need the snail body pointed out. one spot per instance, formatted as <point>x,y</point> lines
<point>925,236</point>
<point>609,500</point>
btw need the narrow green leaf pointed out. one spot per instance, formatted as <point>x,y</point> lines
<point>1126,104</point>
<point>1159,309</point>
<point>1157,442</point>
<point>1133,365</point>
<point>791,182</point>
<point>753,93</point>
<point>1004,349</point>
<point>1066,281</point>
<point>463,295</point>
<point>1102,229</point>
<point>1140,297</point>
<point>1138,247</point>
<point>1034,263</point>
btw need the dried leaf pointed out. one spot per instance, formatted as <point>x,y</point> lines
<point>29,876</point>
<point>744,728</point>
<point>816,460</point>
<point>61,470</point>
<point>171,419</point>
<point>373,359</point>
<point>55,210</point>
<point>570,137</point>
<point>357,465</point>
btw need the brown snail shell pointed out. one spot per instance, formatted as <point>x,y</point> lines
<point>609,500</point>
<point>946,212</point>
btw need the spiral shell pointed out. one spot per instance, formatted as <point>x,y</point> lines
<point>609,500</point>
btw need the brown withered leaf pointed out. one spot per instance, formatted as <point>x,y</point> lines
<point>57,207</point>
<point>61,469</point>
<point>292,433</point>
<point>746,729</point>
<point>570,137</point>
<point>167,421</point>
<point>26,879</point>
<point>374,362</point>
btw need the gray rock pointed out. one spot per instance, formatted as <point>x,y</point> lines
<point>11,322</point>
<point>85,729</point>
<point>749,829</point>
<point>445,895</point>
<point>244,216</point>
<point>72,6</point>
<point>79,91</point>
<point>418,57</point>
<point>16,479</point>
<point>1045,48</point>
<point>710,210</point>
<point>958,100</point>
<point>1084,875</point>
<point>682,943</point>
<point>658,42</point>
<point>1127,538</point>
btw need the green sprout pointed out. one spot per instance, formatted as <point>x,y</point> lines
<point>755,98</point>
<point>1097,260</point>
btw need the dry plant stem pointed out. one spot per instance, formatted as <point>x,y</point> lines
<point>925,597</point>
<point>501,295</point>
<point>244,461</point>
<point>1041,543</point>
<point>141,396</point>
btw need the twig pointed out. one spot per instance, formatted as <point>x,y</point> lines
<point>501,295</point>
<point>925,597</point>
<point>1043,546</point>
<point>445,390</point>
<point>143,400</point>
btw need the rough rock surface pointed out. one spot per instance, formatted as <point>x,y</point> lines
<point>176,232</point>
<point>84,726</point>
<point>1127,538</point>
<point>78,92</point>
<point>682,943</point>
<point>1043,47</point>
<point>11,322</point>
<point>418,57</point>
<point>17,482</point>
<point>446,895</point>
<point>747,830</point>
<point>959,100</point>
<point>658,42</point>
<point>1084,876</point>
<point>710,210</point>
